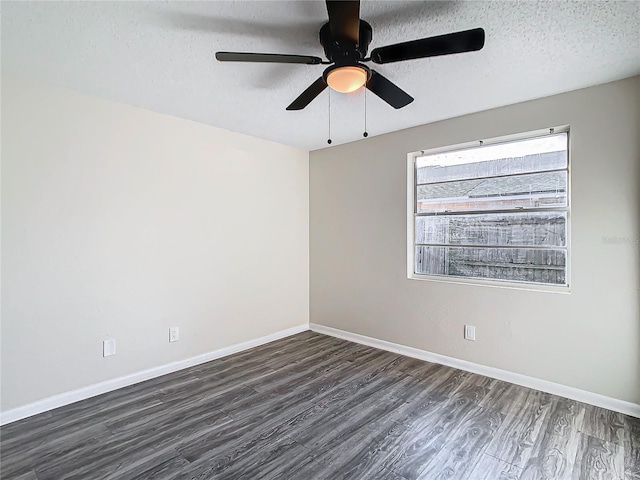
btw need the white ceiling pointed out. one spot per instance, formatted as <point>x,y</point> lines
<point>160,56</point>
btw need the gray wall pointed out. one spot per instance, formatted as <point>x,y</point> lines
<point>118,222</point>
<point>588,339</point>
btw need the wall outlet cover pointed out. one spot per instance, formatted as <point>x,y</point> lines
<point>174,334</point>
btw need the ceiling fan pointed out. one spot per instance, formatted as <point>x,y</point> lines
<point>345,39</point>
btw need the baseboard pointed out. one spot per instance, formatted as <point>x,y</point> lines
<point>67,398</point>
<point>73,396</point>
<point>591,398</point>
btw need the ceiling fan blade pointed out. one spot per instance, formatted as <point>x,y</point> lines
<point>344,19</point>
<point>388,91</point>
<point>308,95</point>
<point>266,58</point>
<point>458,42</point>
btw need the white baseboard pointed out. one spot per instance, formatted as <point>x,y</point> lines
<point>591,398</point>
<point>67,398</point>
<point>83,393</point>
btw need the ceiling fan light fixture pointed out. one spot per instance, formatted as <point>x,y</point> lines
<point>347,79</point>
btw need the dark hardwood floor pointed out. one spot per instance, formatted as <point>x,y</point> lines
<point>315,407</point>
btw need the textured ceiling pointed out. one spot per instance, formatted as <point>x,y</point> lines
<point>160,56</point>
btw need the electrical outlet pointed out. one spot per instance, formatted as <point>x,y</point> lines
<point>174,334</point>
<point>470,332</point>
<point>109,347</point>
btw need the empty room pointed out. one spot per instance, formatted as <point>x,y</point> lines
<point>308,239</point>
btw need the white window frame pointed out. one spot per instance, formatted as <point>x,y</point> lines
<point>411,202</point>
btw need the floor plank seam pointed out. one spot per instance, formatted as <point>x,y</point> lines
<point>107,428</point>
<point>400,477</point>
<point>291,439</point>
<point>502,460</point>
<point>616,442</point>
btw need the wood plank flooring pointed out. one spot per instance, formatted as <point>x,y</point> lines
<point>315,407</point>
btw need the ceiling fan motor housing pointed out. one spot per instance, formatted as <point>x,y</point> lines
<point>343,51</point>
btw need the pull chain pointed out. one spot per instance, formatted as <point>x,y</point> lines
<point>365,134</point>
<point>329,140</point>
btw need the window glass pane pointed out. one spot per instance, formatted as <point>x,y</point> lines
<point>523,156</point>
<point>534,190</point>
<point>515,264</point>
<point>546,229</point>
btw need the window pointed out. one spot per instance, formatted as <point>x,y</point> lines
<point>494,210</point>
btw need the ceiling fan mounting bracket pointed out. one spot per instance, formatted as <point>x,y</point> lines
<point>343,51</point>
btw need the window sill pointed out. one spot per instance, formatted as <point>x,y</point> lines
<point>479,282</point>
